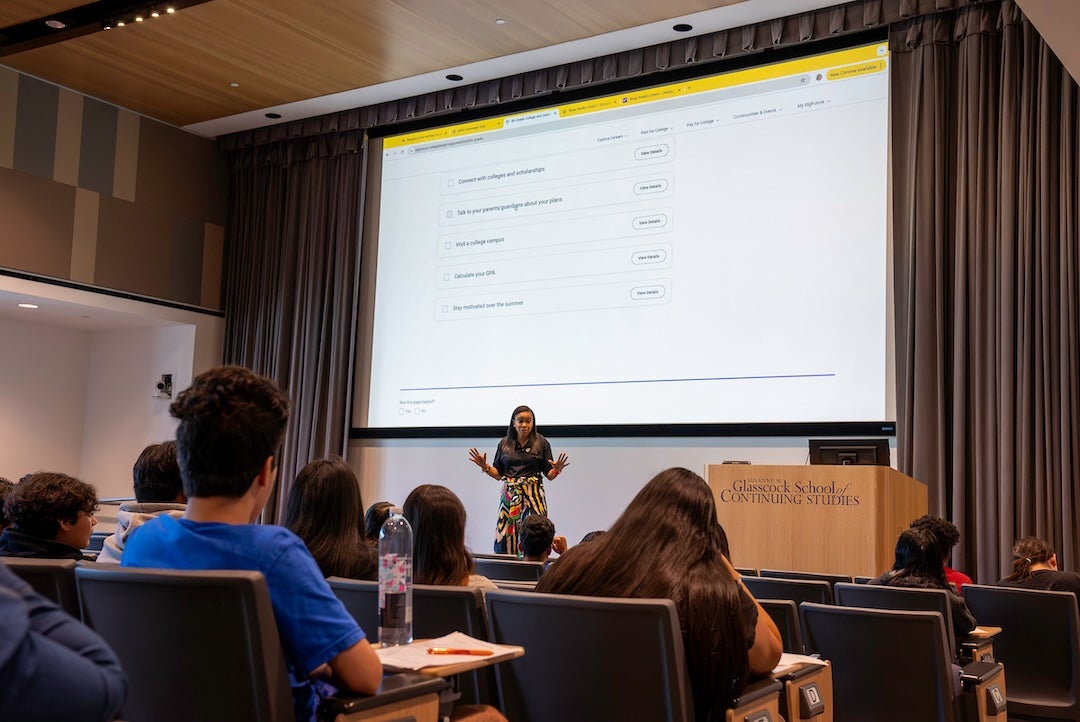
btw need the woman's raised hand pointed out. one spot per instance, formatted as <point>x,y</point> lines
<point>479,459</point>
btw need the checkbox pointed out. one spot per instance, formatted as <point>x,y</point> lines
<point>445,309</point>
<point>449,214</point>
<point>448,245</point>
<point>446,277</point>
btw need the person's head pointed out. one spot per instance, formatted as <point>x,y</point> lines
<point>946,532</point>
<point>232,423</point>
<point>667,544</point>
<point>5,489</point>
<point>1031,552</point>
<point>522,428</point>
<point>535,534</point>
<point>323,509</point>
<point>50,505</point>
<point>157,475</point>
<point>374,518</point>
<point>918,554</point>
<point>593,535</point>
<point>437,518</point>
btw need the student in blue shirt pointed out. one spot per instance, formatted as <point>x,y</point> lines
<point>232,423</point>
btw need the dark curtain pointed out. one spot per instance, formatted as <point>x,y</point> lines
<point>984,156</point>
<point>292,259</point>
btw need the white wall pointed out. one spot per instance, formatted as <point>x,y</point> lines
<point>603,476</point>
<point>42,390</point>
<point>122,416</point>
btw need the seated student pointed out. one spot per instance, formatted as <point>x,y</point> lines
<point>50,515</point>
<point>1035,566</point>
<point>232,424</point>
<point>918,565</point>
<point>948,536</point>
<point>158,490</point>
<point>536,538</point>
<point>437,518</point>
<point>52,667</point>
<point>5,489</point>
<point>324,509</point>
<point>375,516</point>
<point>667,544</point>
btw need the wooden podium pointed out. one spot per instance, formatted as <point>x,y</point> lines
<point>833,519</point>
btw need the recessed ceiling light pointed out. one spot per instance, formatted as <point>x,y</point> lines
<point>234,85</point>
<point>682,28</point>
<point>28,305</point>
<point>170,10</point>
<point>138,18</point>
<point>273,116</point>
<point>500,21</point>
<point>455,77</point>
<point>56,24</point>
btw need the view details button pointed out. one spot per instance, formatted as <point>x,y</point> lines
<point>646,293</point>
<point>658,220</point>
<point>652,151</point>
<point>643,257</point>
<point>651,186</point>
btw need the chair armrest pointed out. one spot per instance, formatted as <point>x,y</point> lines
<point>394,688</point>
<point>984,691</point>
<point>976,673</point>
<point>759,702</point>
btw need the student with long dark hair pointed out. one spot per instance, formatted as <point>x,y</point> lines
<point>522,459</point>
<point>918,565</point>
<point>1035,566</point>
<point>324,509</point>
<point>437,518</point>
<point>667,544</point>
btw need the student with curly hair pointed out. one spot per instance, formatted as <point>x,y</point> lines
<point>667,544</point>
<point>50,516</point>
<point>948,536</point>
<point>1035,566</point>
<point>228,442</point>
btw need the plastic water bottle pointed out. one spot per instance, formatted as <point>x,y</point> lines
<point>395,580</point>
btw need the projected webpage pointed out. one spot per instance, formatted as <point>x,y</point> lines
<point>711,251</point>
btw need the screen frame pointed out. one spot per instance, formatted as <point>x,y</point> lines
<point>357,405</point>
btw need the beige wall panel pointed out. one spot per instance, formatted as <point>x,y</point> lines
<point>213,251</point>
<point>9,97</point>
<point>38,217</point>
<point>134,248</point>
<point>182,172</point>
<point>126,169</point>
<point>68,137</point>
<point>84,235</point>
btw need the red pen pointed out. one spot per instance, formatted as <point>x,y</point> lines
<point>447,650</point>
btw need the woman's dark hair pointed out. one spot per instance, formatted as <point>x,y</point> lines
<point>1029,550</point>
<point>593,535</point>
<point>40,501</point>
<point>668,544</point>
<point>918,555</point>
<point>324,509</point>
<point>437,517</point>
<point>509,442</point>
<point>374,518</point>
<point>5,489</point>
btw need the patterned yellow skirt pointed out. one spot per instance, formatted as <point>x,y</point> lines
<point>520,497</point>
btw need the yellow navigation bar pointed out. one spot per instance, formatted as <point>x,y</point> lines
<point>838,65</point>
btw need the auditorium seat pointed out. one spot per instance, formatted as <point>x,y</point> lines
<point>53,579</point>
<point>895,666</point>
<point>832,579</point>
<point>203,645</point>
<point>437,611</point>
<point>1039,645</point>
<point>785,613</point>
<point>797,590</point>
<point>876,596</point>
<point>593,658</point>
<point>510,569</point>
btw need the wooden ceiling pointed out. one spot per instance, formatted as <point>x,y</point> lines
<point>180,68</point>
